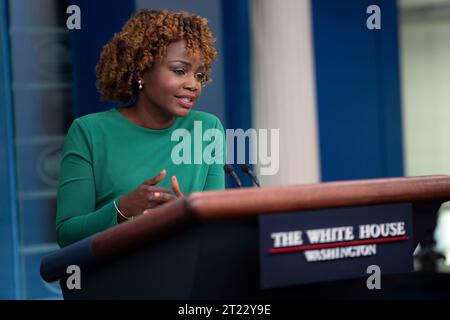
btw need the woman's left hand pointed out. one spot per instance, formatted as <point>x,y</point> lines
<point>176,188</point>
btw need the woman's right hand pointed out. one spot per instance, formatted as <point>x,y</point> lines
<point>144,197</point>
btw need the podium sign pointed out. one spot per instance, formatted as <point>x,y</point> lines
<point>334,244</point>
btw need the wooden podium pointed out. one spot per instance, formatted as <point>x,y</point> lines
<point>205,246</point>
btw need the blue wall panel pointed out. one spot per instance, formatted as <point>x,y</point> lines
<point>237,73</point>
<point>100,19</point>
<point>9,253</point>
<point>357,90</point>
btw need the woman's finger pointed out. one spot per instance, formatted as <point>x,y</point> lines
<point>160,177</point>
<point>152,189</point>
<point>159,197</point>
<point>176,187</point>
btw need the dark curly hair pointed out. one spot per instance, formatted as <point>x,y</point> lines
<point>142,42</point>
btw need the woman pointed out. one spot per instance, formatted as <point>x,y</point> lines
<point>115,164</point>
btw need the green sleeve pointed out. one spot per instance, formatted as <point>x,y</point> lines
<point>77,217</point>
<point>215,179</point>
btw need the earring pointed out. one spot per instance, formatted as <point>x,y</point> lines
<point>140,84</point>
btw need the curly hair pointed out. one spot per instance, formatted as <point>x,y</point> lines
<point>143,41</point>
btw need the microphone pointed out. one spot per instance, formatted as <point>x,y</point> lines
<point>248,170</point>
<point>230,171</point>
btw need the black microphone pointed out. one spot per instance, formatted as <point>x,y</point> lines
<point>230,171</point>
<point>248,170</point>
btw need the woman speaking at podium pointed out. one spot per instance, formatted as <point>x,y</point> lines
<point>119,164</point>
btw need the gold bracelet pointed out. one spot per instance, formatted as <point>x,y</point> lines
<point>123,216</point>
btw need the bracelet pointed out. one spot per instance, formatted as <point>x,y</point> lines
<point>123,216</point>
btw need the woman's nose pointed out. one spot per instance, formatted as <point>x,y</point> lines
<point>192,84</point>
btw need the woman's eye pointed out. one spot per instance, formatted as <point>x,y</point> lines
<point>179,71</point>
<point>200,76</point>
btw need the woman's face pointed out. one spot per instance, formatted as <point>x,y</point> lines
<point>173,85</point>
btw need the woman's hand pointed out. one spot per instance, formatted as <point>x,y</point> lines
<point>147,196</point>
<point>176,188</point>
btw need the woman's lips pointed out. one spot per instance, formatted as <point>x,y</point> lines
<point>186,102</point>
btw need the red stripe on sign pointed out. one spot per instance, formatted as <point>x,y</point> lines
<point>336,245</point>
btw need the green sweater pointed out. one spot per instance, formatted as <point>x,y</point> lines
<point>106,156</point>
